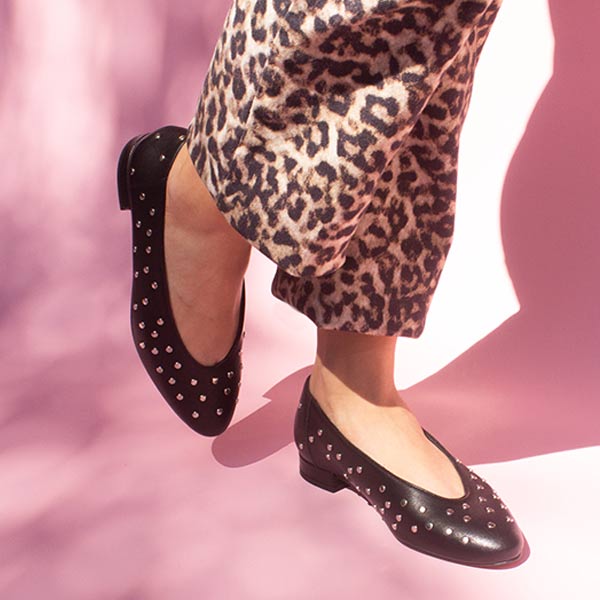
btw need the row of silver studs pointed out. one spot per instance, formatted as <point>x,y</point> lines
<point>422,509</point>
<point>145,301</point>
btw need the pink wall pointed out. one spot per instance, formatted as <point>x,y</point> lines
<point>105,495</point>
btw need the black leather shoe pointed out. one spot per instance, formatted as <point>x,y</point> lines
<point>476,529</point>
<point>204,397</point>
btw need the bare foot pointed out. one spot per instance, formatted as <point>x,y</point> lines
<point>385,429</point>
<point>206,260</point>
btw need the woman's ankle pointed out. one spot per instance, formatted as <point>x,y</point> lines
<point>352,363</point>
<point>348,385</point>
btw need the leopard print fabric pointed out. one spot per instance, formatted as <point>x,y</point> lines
<point>327,132</point>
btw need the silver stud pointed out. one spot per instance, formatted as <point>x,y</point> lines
<point>301,446</point>
<point>148,232</point>
<point>382,510</point>
<point>422,509</point>
<point>177,365</point>
<point>338,456</point>
<point>479,487</point>
<point>154,285</point>
<point>414,528</point>
<point>509,519</point>
<point>489,509</point>
<point>319,432</point>
<point>394,526</point>
<point>368,491</point>
<point>154,351</point>
<point>154,334</point>
<point>141,324</point>
<point>219,411</point>
<point>169,349</point>
<point>134,249</point>
<point>159,369</point>
<point>349,469</point>
<point>403,502</point>
<point>230,374</point>
<point>193,381</point>
<point>136,274</point>
<point>311,438</point>
<point>464,539</point>
<point>182,137</point>
<point>329,447</point>
<point>491,524</point>
<point>172,380</point>
<point>398,518</point>
<point>227,391</point>
<point>146,269</point>
<point>387,504</point>
<point>466,518</point>
<point>131,171</point>
<point>429,526</point>
<point>179,396</point>
<point>202,398</point>
<point>382,488</point>
<point>466,506</point>
<point>152,212</point>
<point>157,136</point>
<point>135,306</point>
<point>145,301</point>
<point>160,322</point>
<point>142,345</point>
<point>195,415</point>
<point>148,249</point>
<point>328,456</point>
<point>448,530</point>
<point>473,476</point>
<point>162,157</point>
<point>138,224</point>
<point>359,469</point>
<point>142,196</point>
<point>482,498</point>
<point>449,511</point>
<point>215,380</point>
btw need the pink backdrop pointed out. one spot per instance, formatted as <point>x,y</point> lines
<point>105,494</point>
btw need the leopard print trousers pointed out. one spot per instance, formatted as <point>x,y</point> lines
<point>327,132</point>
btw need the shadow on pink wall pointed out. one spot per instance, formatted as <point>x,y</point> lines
<point>532,385</point>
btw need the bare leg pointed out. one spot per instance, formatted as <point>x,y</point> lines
<point>353,381</point>
<point>206,261</point>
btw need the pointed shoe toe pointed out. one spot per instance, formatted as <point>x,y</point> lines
<point>204,397</point>
<point>476,529</point>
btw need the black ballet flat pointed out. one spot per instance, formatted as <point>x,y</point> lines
<point>476,529</point>
<point>204,397</point>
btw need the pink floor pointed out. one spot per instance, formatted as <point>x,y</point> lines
<point>105,494</point>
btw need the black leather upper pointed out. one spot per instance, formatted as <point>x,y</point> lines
<point>477,529</point>
<point>203,396</point>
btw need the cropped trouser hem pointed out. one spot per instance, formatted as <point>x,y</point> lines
<point>327,133</point>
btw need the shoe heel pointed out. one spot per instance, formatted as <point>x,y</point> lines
<point>122,174</point>
<point>319,477</point>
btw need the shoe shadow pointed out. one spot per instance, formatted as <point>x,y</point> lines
<point>266,430</point>
<point>531,386</point>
